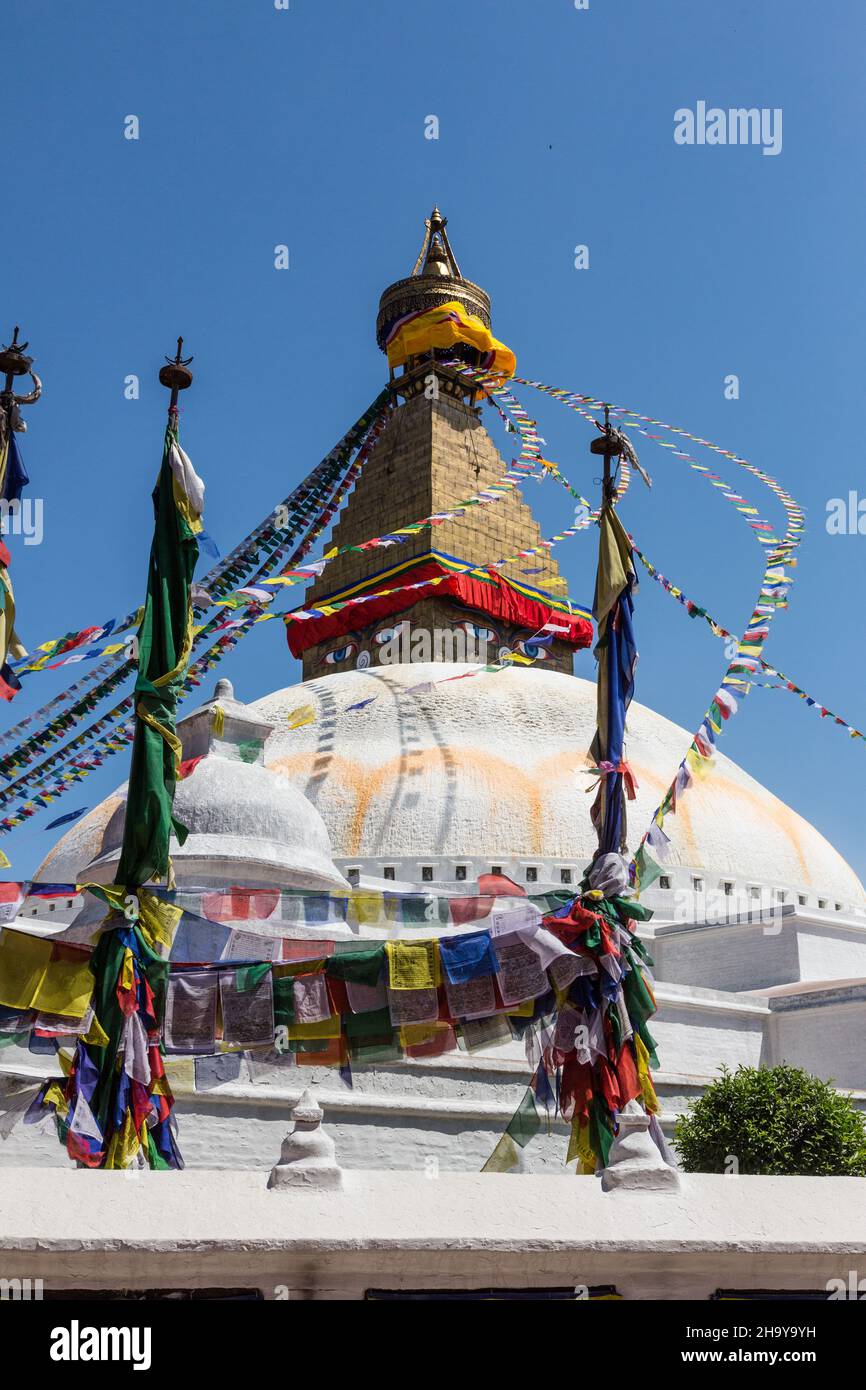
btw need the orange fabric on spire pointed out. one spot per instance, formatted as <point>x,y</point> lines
<point>442,327</point>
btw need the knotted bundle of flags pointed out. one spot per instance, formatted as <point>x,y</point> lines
<point>565,974</point>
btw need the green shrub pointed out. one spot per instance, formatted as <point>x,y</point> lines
<point>774,1120</point>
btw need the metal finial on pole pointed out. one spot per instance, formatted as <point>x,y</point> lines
<point>176,375</point>
<point>610,446</point>
<point>14,363</point>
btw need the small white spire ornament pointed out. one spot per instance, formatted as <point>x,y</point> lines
<point>308,1156</point>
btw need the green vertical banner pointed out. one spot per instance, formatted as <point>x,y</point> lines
<point>164,643</point>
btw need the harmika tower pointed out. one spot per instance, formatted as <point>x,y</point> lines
<point>433,453</point>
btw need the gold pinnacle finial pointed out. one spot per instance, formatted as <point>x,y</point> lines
<point>436,256</point>
<point>435,279</point>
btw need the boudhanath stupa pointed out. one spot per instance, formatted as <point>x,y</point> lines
<point>403,772</point>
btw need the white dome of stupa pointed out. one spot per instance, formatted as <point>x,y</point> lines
<point>445,769</point>
<point>446,774</point>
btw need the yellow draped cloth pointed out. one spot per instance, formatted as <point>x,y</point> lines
<point>442,327</point>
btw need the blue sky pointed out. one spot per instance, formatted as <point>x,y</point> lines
<point>306,127</point>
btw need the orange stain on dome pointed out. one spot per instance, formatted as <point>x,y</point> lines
<point>501,779</point>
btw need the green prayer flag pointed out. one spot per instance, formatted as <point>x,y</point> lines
<point>376,1050</point>
<point>374,1024</point>
<point>647,868</point>
<point>284,1001</point>
<point>357,967</point>
<point>524,1124</point>
<point>635,910</point>
<point>164,640</point>
<point>249,977</point>
<point>601,1134</point>
<point>249,749</point>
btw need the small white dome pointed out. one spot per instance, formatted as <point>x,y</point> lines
<point>245,824</point>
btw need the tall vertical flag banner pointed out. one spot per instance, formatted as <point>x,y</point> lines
<point>13,479</point>
<point>10,643</point>
<point>616,653</point>
<point>164,644</point>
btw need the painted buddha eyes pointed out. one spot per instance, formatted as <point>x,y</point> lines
<point>532,650</point>
<point>340,654</point>
<point>477,632</point>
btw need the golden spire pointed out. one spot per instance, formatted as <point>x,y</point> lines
<point>435,279</point>
<point>436,256</point>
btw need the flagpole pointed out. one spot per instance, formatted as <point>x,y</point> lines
<point>609,445</point>
<point>163,654</point>
<point>119,1114</point>
<point>13,479</point>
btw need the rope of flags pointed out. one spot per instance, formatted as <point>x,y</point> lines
<point>39,716</point>
<point>632,419</point>
<point>565,973</point>
<point>517,421</point>
<point>699,756</point>
<point>117,739</point>
<point>770,599</point>
<point>48,790</point>
<point>22,755</point>
<point>300,504</point>
<point>778,554</point>
<point>364,432</point>
<point>786,683</point>
<point>493,492</point>
<point>33,746</point>
<point>410,905</point>
<point>68,647</point>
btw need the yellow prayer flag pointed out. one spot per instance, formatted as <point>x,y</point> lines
<point>650,1099</point>
<point>54,1096</point>
<point>309,1032</point>
<point>524,1010</point>
<point>23,962</point>
<point>297,718</point>
<point>96,1034</point>
<point>127,972</point>
<point>123,1145</point>
<point>33,975</point>
<point>413,964</point>
<point>158,920</point>
<point>699,765</point>
<point>580,1148</point>
<point>367,908</point>
<point>414,1034</point>
<point>504,1156</point>
<point>180,1072</point>
<point>67,986</point>
<point>519,658</point>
